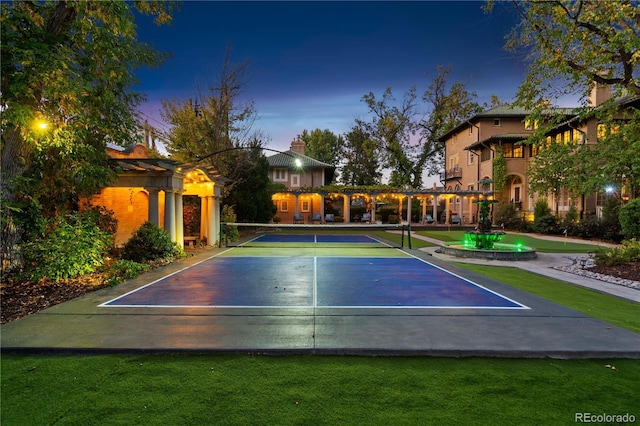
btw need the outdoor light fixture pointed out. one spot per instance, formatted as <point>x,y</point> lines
<point>609,189</point>
<point>41,124</point>
<point>298,162</point>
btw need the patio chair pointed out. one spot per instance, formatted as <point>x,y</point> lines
<point>316,218</point>
<point>329,217</point>
<point>298,218</point>
<point>366,218</point>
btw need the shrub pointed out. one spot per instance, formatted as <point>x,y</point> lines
<point>541,209</point>
<point>544,222</point>
<point>629,218</point>
<point>229,233</point>
<point>149,243</point>
<point>628,252</point>
<point>70,245</point>
<point>394,219</point>
<point>123,270</point>
<point>546,225</point>
<point>507,215</point>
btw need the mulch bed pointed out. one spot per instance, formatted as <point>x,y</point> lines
<point>23,298</point>
<point>629,271</point>
<point>19,299</point>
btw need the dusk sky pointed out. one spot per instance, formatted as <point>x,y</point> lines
<point>311,62</point>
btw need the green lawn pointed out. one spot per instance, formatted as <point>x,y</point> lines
<point>614,310</point>
<point>329,390</point>
<point>310,390</point>
<point>543,246</point>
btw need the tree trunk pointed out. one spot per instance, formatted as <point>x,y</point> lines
<point>14,154</point>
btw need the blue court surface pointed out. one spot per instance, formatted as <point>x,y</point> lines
<point>317,282</point>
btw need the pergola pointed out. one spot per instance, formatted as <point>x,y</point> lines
<point>427,198</point>
<point>165,182</point>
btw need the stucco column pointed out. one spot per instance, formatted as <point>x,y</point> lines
<point>214,235</point>
<point>204,223</point>
<point>447,206</point>
<point>435,209</point>
<point>154,212</point>
<point>215,212</point>
<point>321,208</point>
<point>179,220</point>
<point>409,208</point>
<point>170,214</point>
<point>373,209</point>
<point>424,209</point>
<point>347,208</point>
<point>471,210</point>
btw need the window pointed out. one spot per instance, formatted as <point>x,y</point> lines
<point>511,150</point>
<point>529,125</point>
<point>534,150</point>
<point>470,159</point>
<point>485,154</point>
<point>284,206</point>
<point>567,137</point>
<point>496,122</point>
<point>295,181</point>
<point>279,175</point>
<point>305,207</point>
<point>605,130</point>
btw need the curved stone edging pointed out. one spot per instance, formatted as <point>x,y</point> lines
<point>528,254</point>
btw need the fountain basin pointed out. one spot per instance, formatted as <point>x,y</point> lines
<point>500,251</point>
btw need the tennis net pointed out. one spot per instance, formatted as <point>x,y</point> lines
<point>314,235</point>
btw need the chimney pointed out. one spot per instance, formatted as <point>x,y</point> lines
<point>297,145</point>
<point>600,93</point>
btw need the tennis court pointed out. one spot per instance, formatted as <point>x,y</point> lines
<point>314,270</point>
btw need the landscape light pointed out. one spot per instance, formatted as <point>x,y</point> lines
<point>41,124</point>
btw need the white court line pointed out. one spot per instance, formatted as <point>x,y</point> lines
<point>105,304</point>
<point>473,283</point>
<point>314,304</point>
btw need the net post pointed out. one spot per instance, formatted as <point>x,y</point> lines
<point>409,235</point>
<point>402,237</point>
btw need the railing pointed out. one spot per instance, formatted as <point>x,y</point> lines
<point>453,173</point>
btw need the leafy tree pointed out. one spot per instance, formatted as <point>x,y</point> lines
<point>250,196</point>
<point>406,141</point>
<point>217,120</point>
<point>65,92</point>
<point>579,42</point>
<point>552,170</point>
<point>614,158</point>
<point>217,128</point>
<point>362,166</point>
<point>323,145</point>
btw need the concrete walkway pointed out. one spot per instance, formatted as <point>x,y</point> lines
<point>545,264</point>
<point>545,329</point>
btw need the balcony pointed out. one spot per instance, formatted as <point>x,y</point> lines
<point>453,173</point>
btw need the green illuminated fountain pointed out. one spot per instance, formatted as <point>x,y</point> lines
<point>484,237</point>
<point>483,242</point>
